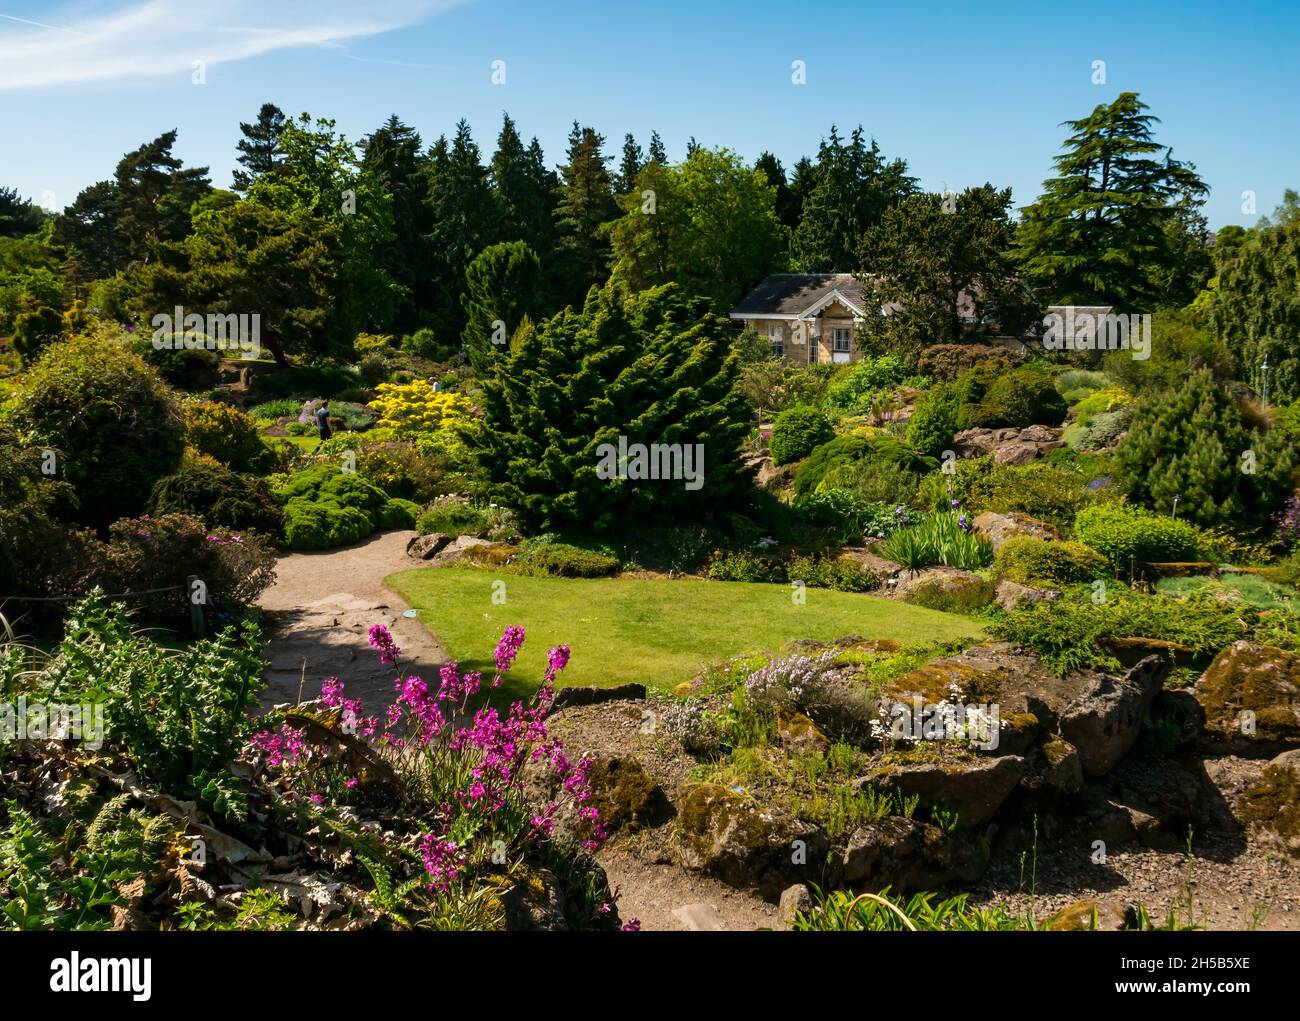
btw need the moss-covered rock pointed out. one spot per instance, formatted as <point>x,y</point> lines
<point>624,794</point>
<point>746,845</point>
<point>1271,806</point>
<point>907,854</point>
<point>974,788</point>
<point>798,733</point>
<point>1251,696</point>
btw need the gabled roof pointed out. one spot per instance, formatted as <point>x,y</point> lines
<point>792,294</point>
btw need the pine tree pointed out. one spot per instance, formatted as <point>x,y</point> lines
<point>154,194</point>
<point>259,149</point>
<point>465,222</point>
<point>656,152</point>
<point>630,165</point>
<point>393,158</point>
<point>585,202</point>
<point>521,185</point>
<point>652,368</point>
<point>501,290</point>
<point>786,210</point>
<point>1098,235</point>
<point>1193,443</point>
<point>1255,310</point>
<point>851,189</point>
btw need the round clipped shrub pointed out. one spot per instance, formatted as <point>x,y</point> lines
<point>1031,561</point>
<point>223,432</point>
<point>1123,534</point>
<point>114,423</point>
<point>798,432</point>
<point>209,490</point>
<point>398,513</point>
<point>309,525</point>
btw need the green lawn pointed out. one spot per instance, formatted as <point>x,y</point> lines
<point>656,632</point>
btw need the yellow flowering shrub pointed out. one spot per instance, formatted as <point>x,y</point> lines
<point>417,407</point>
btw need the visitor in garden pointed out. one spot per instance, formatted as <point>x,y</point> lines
<point>323,422</point>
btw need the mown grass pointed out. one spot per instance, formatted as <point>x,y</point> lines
<point>658,632</point>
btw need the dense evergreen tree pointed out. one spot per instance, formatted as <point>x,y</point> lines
<point>393,158</point>
<point>1192,442</point>
<point>630,165</point>
<point>18,217</point>
<point>321,178</point>
<point>501,293</point>
<point>653,368</point>
<point>585,203</point>
<point>787,210</point>
<point>259,149</point>
<point>1105,230</point>
<point>154,194</point>
<point>524,190</point>
<point>465,221</point>
<point>850,189</point>
<point>656,152</point>
<point>1256,311</point>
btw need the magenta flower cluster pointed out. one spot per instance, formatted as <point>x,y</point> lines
<point>486,757</point>
<point>382,641</point>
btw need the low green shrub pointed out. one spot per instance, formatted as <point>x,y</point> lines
<point>934,419</point>
<point>852,391</point>
<point>274,410</point>
<point>454,516</point>
<point>842,573</point>
<point>1050,492</point>
<point>798,432</point>
<point>1031,561</point>
<point>743,565</point>
<point>209,490</point>
<point>546,556</point>
<point>223,432</point>
<point>1065,633</point>
<point>1125,534</point>
<point>325,507</point>
<point>993,398</point>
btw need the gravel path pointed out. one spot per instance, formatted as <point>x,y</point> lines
<point>320,609</point>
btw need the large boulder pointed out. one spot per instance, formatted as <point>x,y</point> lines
<point>906,854</point>
<point>426,547</point>
<point>593,695</point>
<point>1105,719</point>
<point>998,528</point>
<point>625,795</point>
<point>974,788</point>
<point>1251,697</point>
<point>1099,714</point>
<point>1010,594</point>
<point>1270,807</point>
<point>945,588</point>
<point>730,836</point>
<point>1162,797</point>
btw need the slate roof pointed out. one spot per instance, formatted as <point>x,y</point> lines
<point>792,293</point>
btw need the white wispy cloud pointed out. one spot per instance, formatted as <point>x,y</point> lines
<point>108,41</point>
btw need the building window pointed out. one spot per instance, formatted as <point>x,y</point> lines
<point>842,340</point>
<point>776,336</point>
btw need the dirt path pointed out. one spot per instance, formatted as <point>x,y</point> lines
<point>320,609</point>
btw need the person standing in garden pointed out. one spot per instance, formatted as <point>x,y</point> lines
<point>323,422</point>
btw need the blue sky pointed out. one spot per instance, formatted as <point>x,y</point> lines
<point>966,92</point>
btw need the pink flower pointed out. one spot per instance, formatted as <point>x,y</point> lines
<point>382,641</point>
